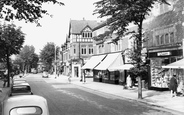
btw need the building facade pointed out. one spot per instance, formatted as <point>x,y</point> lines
<point>80,45</point>
<point>165,36</point>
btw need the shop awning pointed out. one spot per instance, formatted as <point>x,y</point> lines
<point>177,65</point>
<point>121,67</point>
<point>93,61</point>
<point>111,60</point>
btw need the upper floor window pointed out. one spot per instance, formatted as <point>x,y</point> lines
<point>90,49</point>
<point>87,35</point>
<point>83,49</point>
<point>164,36</point>
<point>167,38</point>
<point>74,49</point>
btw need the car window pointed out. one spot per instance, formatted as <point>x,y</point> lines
<point>18,89</point>
<point>26,110</point>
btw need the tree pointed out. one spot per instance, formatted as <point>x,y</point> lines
<point>29,57</point>
<point>34,60</point>
<point>11,41</point>
<point>28,10</point>
<point>47,55</point>
<point>18,62</point>
<point>120,14</point>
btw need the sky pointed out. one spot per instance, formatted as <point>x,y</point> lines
<point>56,28</point>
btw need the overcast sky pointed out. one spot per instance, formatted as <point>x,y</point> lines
<point>55,29</point>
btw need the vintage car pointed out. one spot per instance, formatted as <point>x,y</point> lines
<point>25,105</point>
<point>45,74</point>
<point>21,89</point>
<point>19,80</point>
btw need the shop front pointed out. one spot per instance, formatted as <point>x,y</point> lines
<point>159,74</point>
<point>103,73</point>
<point>91,64</point>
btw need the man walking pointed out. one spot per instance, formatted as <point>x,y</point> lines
<point>173,86</point>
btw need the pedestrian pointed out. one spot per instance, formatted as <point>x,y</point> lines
<point>69,77</point>
<point>173,86</point>
<point>5,81</point>
<point>129,82</point>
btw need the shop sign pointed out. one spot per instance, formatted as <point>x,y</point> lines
<point>163,53</point>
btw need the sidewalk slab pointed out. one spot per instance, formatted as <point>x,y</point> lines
<point>157,98</point>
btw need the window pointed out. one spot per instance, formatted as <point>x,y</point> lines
<point>162,39</point>
<point>167,38</point>
<point>171,37</point>
<point>87,34</point>
<point>74,49</point>
<point>83,50</point>
<point>90,50</point>
<point>157,40</point>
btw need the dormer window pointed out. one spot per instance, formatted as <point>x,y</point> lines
<point>87,33</point>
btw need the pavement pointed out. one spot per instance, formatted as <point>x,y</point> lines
<point>161,99</point>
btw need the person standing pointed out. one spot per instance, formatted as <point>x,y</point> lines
<point>129,82</point>
<point>173,86</point>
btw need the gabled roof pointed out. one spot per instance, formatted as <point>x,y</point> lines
<point>165,19</point>
<point>76,26</point>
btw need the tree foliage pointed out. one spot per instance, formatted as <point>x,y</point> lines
<point>12,39</point>
<point>28,57</point>
<point>28,10</point>
<point>47,54</point>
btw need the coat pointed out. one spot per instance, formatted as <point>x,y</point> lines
<point>173,84</point>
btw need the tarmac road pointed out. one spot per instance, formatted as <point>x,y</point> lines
<point>68,99</point>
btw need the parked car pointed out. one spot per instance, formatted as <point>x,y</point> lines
<point>21,89</point>
<point>19,80</point>
<point>45,74</point>
<point>25,105</point>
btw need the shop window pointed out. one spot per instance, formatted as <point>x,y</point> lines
<point>165,61</point>
<point>159,76</point>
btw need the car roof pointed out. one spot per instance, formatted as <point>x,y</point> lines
<point>19,79</point>
<point>24,100</point>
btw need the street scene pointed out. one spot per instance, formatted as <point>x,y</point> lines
<point>112,57</point>
<point>71,99</point>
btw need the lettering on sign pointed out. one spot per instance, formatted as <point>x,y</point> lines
<point>163,53</point>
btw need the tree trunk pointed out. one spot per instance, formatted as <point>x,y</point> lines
<point>139,47</point>
<point>139,87</point>
<point>8,67</point>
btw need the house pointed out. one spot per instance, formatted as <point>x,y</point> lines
<point>79,46</point>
